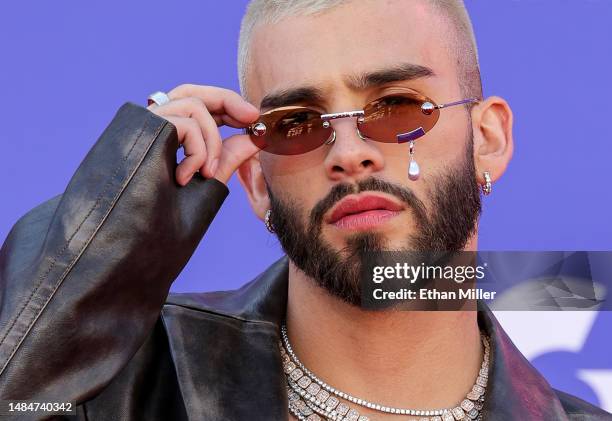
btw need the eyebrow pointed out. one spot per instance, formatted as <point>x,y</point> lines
<point>291,96</point>
<point>402,72</point>
<point>311,94</point>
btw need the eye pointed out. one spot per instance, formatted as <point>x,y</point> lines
<point>296,118</point>
<point>298,123</point>
<point>404,99</point>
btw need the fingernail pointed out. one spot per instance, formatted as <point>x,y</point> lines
<point>213,166</point>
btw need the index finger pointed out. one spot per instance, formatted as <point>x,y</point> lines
<point>226,120</point>
<point>219,101</point>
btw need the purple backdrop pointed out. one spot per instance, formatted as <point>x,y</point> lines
<point>67,66</point>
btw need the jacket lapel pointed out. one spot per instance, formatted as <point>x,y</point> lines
<point>224,347</point>
<point>515,390</point>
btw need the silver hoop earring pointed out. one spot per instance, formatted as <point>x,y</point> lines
<point>487,187</point>
<point>269,225</point>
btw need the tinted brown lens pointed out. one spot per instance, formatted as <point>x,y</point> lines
<point>388,117</point>
<point>291,131</point>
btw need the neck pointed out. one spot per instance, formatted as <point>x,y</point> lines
<point>414,359</point>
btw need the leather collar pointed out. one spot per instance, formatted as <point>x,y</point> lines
<point>244,325</point>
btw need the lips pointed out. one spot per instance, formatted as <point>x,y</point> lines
<point>363,211</point>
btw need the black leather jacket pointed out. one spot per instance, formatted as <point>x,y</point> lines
<point>85,314</point>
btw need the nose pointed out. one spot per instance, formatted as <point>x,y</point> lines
<point>351,158</point>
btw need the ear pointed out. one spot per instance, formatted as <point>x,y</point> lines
<point>493,145</point>
<point>252,179</point>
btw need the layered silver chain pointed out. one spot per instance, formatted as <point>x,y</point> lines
<point>311,399</point>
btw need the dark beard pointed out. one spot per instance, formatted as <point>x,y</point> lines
<point>455,208</point>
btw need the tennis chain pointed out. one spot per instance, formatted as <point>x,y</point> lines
<point>311,399</point>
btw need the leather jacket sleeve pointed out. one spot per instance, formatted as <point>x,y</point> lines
<point>83,277</point>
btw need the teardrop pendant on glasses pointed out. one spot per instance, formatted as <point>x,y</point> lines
<point>413,168</point>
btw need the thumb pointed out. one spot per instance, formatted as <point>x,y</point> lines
<point>236,149</point>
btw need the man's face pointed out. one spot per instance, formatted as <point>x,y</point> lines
<point>331,52</point>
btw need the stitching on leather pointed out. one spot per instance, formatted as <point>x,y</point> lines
<point>79,254</point>
<point>63,249</point>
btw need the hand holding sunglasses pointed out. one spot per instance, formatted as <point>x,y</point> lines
<point>396,118</point>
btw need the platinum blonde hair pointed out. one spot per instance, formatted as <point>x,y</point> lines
<point>462,42</point>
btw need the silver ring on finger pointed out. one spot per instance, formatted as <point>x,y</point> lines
<point>158,98</point>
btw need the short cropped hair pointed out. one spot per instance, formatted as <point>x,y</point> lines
<point>462,42</point>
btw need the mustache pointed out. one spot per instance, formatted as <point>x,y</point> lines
<point>339,191</point>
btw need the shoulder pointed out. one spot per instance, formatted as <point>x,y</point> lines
<point>262,300</point>
<point>578,409</point>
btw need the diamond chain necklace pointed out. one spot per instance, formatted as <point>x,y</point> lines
<point>311,399</point>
